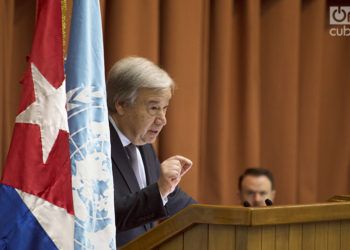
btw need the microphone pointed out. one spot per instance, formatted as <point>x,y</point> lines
<point>246,204</point>
<point>268,202</point>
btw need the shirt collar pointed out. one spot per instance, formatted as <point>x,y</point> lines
<point>125,141</point>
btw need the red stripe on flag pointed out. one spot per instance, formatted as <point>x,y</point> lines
<point>25,170</point>
<point>47,49</point>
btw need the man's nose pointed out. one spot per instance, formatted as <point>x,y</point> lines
<point>257,197</point>
<point>161,118</point>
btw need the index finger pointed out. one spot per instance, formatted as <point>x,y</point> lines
<point>185,169</point>
<point>183,160</point>
<point>186,164</point>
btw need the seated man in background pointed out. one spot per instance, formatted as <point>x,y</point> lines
<point>138,95</point>
<point>256,187</point>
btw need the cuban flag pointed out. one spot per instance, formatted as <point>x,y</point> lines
<point>92,177</point>
<point>36,206</point>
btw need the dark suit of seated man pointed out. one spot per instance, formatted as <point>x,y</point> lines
<point>138,94</point>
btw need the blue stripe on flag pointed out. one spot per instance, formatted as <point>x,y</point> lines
<point>19,228</point>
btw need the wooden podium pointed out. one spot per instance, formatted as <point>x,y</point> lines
<point>307,227</point>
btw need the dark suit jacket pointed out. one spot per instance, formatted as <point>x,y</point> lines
<point>136,209</point>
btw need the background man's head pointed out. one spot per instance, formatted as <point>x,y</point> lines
<point>138,95</point>
<point>256,185</point>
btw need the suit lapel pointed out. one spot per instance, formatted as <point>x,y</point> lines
<point>121,161</point>
<point>150,177</point>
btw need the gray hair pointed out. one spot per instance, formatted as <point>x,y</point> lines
<point>130,74</point>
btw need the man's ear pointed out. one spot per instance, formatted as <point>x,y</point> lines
<point>120,108</point>
<point>273,193</point>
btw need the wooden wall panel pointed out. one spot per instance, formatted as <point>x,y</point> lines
<point>345,235</point>
<point>308,242</point>
<point>200,233</point>
<point>295,236</point>
<point>222,237</point>
<point>268,238</point>
<point>254,238</point>
<point>176,243</point>
<point>241,237</point>
<point>333,241</point>
<point>321,236</point>
<point>282,234</point>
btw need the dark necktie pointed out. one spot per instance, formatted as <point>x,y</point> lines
<point>132,155</point>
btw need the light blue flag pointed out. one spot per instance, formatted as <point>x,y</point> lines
<point>92,178</point>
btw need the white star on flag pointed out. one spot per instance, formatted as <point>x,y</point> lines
<point>48,111</point>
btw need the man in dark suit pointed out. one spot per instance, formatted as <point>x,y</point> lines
<point>138,94</point>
